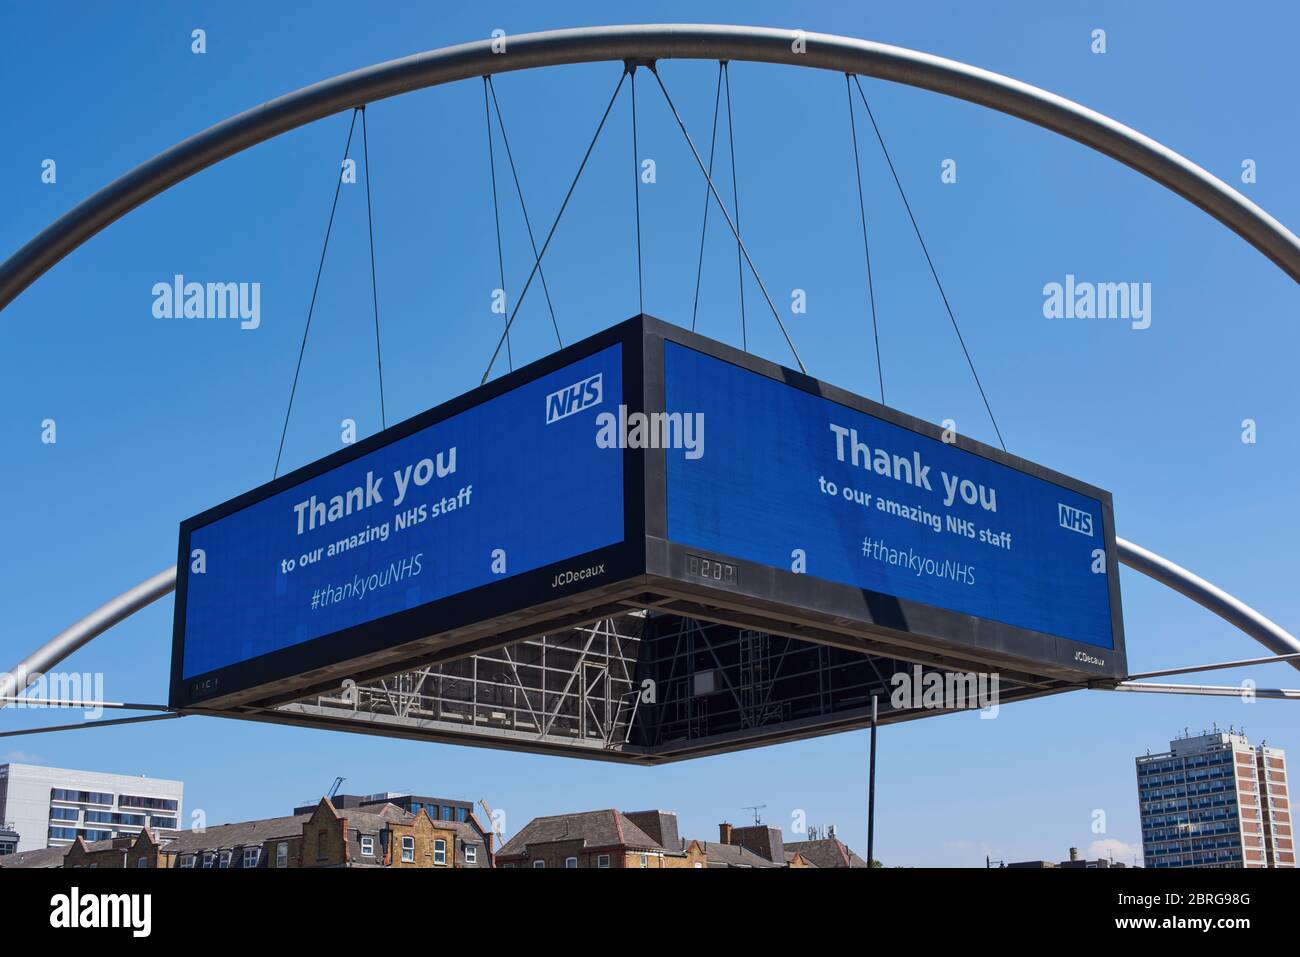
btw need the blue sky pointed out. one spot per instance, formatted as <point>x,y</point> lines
<point>158,419</point>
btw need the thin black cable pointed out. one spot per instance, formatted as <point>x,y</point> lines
<point>519,190</point>
<point>636,185</point>
<point>930,261</point>
<point>866,248</point>
<point>338,186</point>
<point>374,286</point>
<point>713,142</point>
<point>496,212</point>
<point>722,206</point>
<point>567,196</point>
<point>735,196</point>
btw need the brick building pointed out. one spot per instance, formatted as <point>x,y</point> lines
<point>642,839</point>
<point>827,851</point>
<point>374,836</point>
<point>757,845</point>
<point>600,839</point>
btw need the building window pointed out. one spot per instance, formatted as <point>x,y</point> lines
<point>208,858</point>
<point>187,860</point>
<point>602,860</point>
<point>645,860</point>
<point>142,862</point>
<point>146,803</point>
<point>368,846</point>
<point>225,859</point>
<point>471,854</point>
<point>251,856</point>
<point>282,855</point>
<point>440,852</point>
<point>408,850</point>
<point>81,797</point>
<point>539,863</point>
<point>570,862</point>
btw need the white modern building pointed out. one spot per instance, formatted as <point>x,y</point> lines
<point>52,807</point>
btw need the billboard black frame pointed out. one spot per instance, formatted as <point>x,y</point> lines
<point>646,570</point>
<point>835,613</point>
<point>428,632</point>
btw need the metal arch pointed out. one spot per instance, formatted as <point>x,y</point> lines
<point>1231,609</point>
<point>80,632</point>
<point>647,43</point>
<point>1237,613</point>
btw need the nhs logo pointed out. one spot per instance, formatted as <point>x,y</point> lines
<point>1076,520</point>
<point>574,398</point>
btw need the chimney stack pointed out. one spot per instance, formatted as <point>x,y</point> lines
<point>1074,853</point>
<point>724,833</point>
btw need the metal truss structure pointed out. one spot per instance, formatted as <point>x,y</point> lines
<point>647,688</point>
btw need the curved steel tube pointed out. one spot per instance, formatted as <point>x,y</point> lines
<point>649,43</point>
<point>92,626</point>
<point>1234,612</point>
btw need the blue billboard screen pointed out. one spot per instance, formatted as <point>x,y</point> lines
<point>504,487</point>
<point>797,482</point>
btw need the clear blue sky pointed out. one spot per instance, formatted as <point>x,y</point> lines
<point>158,420</point>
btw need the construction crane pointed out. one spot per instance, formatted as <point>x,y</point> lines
<point>334,788</point>
<point>492,823</point>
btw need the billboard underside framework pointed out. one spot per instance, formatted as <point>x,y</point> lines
<point>644,547</point>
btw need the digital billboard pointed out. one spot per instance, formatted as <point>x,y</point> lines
<point>791,479</point>
<point>808,496</point>
<point>647,469</point>
<point>442,506</point>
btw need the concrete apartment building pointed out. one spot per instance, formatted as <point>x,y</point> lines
<point>53,807</point>
<point>379,835</point>
<point>1213,800</point>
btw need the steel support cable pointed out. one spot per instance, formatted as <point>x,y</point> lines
<point>496,213</point>
<point>722,206</point>
<point>528,224</point>
<point>636,186</point>
<point>311,309</point>
<point>551,234</point>
<point>713,142</point>
<point>866,248</point>
<point>735,199</point>
<point>374,285</point>
<point>137,719</point>
<point>933,272</point>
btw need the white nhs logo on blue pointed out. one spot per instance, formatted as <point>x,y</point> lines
<point>574,398</point>
<point>1076,520</point>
